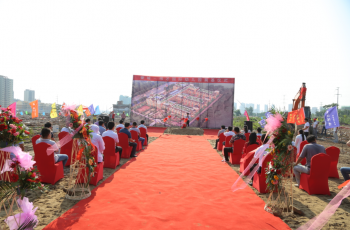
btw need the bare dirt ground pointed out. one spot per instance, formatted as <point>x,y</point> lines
<point>185,131</point>
<point>313,205</point>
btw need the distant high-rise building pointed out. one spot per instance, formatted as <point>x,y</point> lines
<point>314,110</point>
<point>258,108</point>
<point>242,107</point>
<point>6,91</point>
<point>126,99</point>
<point>266,108</point>
<point>290,107</point>
<point>235,106</point>
<point>29,95</point>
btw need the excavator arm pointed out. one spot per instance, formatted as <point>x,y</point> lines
<point>300,97</point>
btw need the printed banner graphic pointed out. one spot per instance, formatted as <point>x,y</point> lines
<point>291,119</point>
<point>331,118</point>
<point>53,113</point>
<point>300,117</point>
<point>155,98</point>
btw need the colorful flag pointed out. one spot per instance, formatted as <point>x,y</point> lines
<point>91,109</point>
<point>12,108</point>
<point>43,113</point>
<point>35,109</point>
<point>331,118</point>
<point>80,110</point>
<point>21,113</point>
<point>87,111</point>
<point>117,114</point>
<point>127,114</point>
<point>300,117</point>
<point>26,112</point>
<point>246,115</point>
<point>262,123</point>
<point>268,114</point>
<point>97,111</point>
<point>291,117</point>
<point>53,113</point>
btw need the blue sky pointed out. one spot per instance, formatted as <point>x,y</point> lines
<point>87,51</point>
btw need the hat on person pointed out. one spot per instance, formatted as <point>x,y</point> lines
<point>315,119</point>
<point>95,129</point>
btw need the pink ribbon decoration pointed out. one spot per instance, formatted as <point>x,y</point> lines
<point>28,214</point>
<point>238,183</point>
<point>24,159</point>
<point>320,220</point>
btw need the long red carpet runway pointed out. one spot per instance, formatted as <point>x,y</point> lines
<point>178,182</point>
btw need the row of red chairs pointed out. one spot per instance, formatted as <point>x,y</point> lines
<point>51,172</point>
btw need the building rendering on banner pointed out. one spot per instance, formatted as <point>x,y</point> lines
<point>6,91</point>
<point>29,95</point>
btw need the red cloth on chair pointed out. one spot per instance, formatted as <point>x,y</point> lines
<point>221,140</point>
<point>247,137</point>
<point>302,144</point>
<point>246,148</point>
<point>247,159</point>
<point>227,144</point>
<point>317,181</point>
<point>124,143</point>
<point>135,136</point>
<point>143,134</point>
<point>118,129</point>
<point>67,148</point>
<point>34,139</point>
<point>333,152</point>
<point>259,180</point>
<point>50,172</point>
<point>111,158</point>
<point>236,155</point>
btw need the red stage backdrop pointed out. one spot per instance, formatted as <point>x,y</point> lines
<point>155,98</point>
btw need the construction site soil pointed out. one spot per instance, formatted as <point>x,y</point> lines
<point>184,131</point>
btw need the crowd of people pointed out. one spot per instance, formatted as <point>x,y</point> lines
<point>99,130</point>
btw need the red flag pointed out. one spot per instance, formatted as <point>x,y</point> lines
<point>87,111</point>
<point>291,117</point>
<point>246,115</point>
<point>12,108</point>
<point>197,118</point>
<point>35,109</point>
<point>300,117</point>
<point>206,119</point>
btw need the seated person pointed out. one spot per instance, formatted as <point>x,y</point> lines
<point>98,120</point>
<point>121,124</point>
<point>97,141</point>
<point>49,126</point>
<point>222,130</point>
<point>245,128</point>
<point>66,128</point>
<point>235,137</point>
<point>345,171</point>
<point>101,127</point>
<point>298,139</point>
<point>259,134</point>
<point>309,151</point>
<point>228,132</point>
<point>143,126</point>
<point>131,141</point>
<point>45,137</point>
<point>260,156</point>
<point>111,133</point>
<point>134,128</point>
<point>252,141</point>
<point>88,121</point>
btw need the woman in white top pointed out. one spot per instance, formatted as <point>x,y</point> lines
<point>298,139</point>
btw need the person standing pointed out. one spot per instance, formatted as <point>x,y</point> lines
<point>113,116</point>
<point>188,120</point>
<point>324,128</point>
<point>110,116</point>
<point>123,116</point>
<point>314,126</point>
<point>335,134</point>
<point>306,127</point>
<point>308,152</point>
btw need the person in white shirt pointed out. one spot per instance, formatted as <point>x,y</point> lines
<point>298,139</point>
<point>66,129</point>
<point>227,133</point>
<point>46,138</point>
<point>188,119</point>
<point>259,134</point>
<point>222,130</point>
<point>88,121</point>
<point>306,127</point>
<point>111,133</point>
<point>121,124</point>
<point>259,155</point>
<point>97,141</point>
<point>134,128</point>
<point>314,126</point>
<point>143,126</point>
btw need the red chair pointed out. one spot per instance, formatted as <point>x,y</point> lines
<point>236,155</point>
<point>98,173</point>
<point>247,137</point>
<point>221,140</point>
<point>333,152</point>
<point>124,143</point>
<point>249,148</point>
<point>247,159</point>
<point>66,148</point>
<point>259,180</point>
<point>34,139</point>
<point>317,181</point>
<point>135,136</point>
<point>50,172</point>
<point>302,144</point>
<point>111,158</point>
<point>227,144</point>
<point>143,134</point>
<point>118,129</point>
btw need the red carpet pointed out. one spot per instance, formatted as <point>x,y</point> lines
<point>155,131</point>
<point>178,182</point>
